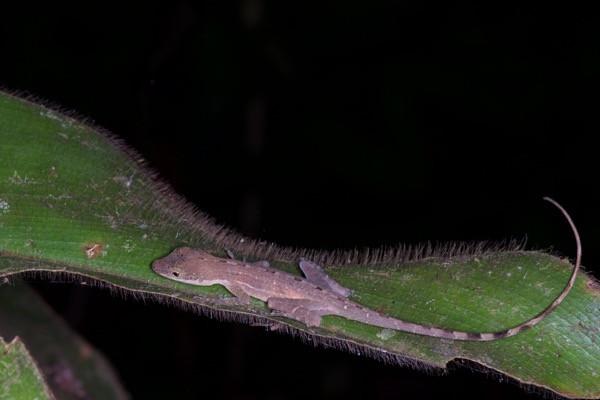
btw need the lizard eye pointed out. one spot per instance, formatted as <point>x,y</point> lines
<point>175,274</point>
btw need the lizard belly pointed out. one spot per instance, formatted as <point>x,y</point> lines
<point>265,292</point>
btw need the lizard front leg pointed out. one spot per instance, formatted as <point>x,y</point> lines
<point>241,298</point>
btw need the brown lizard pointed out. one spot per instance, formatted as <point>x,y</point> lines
<point>308,299</point>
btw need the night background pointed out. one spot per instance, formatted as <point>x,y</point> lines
<point>322,125</point>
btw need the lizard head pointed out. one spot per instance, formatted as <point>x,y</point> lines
<point>184,265</point>
<point>171,265</point>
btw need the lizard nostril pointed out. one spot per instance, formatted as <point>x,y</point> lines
<point>175,274</point>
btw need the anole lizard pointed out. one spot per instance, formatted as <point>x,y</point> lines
<point>308,299</point>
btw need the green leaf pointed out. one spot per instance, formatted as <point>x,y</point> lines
<point>73,200</point>
<point>20,377</point>
<point>72,367</point>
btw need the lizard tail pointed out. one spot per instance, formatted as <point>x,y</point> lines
<point>526,325</point>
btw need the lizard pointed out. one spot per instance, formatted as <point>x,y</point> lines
<point>307,299</point>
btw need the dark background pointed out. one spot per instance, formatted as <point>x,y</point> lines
<point>336,125</point>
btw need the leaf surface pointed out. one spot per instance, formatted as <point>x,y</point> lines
<point>75,201</point>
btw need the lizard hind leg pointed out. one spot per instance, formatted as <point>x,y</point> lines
<point>306,311</point>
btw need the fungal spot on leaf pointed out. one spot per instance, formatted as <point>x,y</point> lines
<point>93,250</point>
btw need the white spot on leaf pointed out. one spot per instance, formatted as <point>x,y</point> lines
<point>386,334</point>
<point>129,245</point>
<point>4,207</point>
